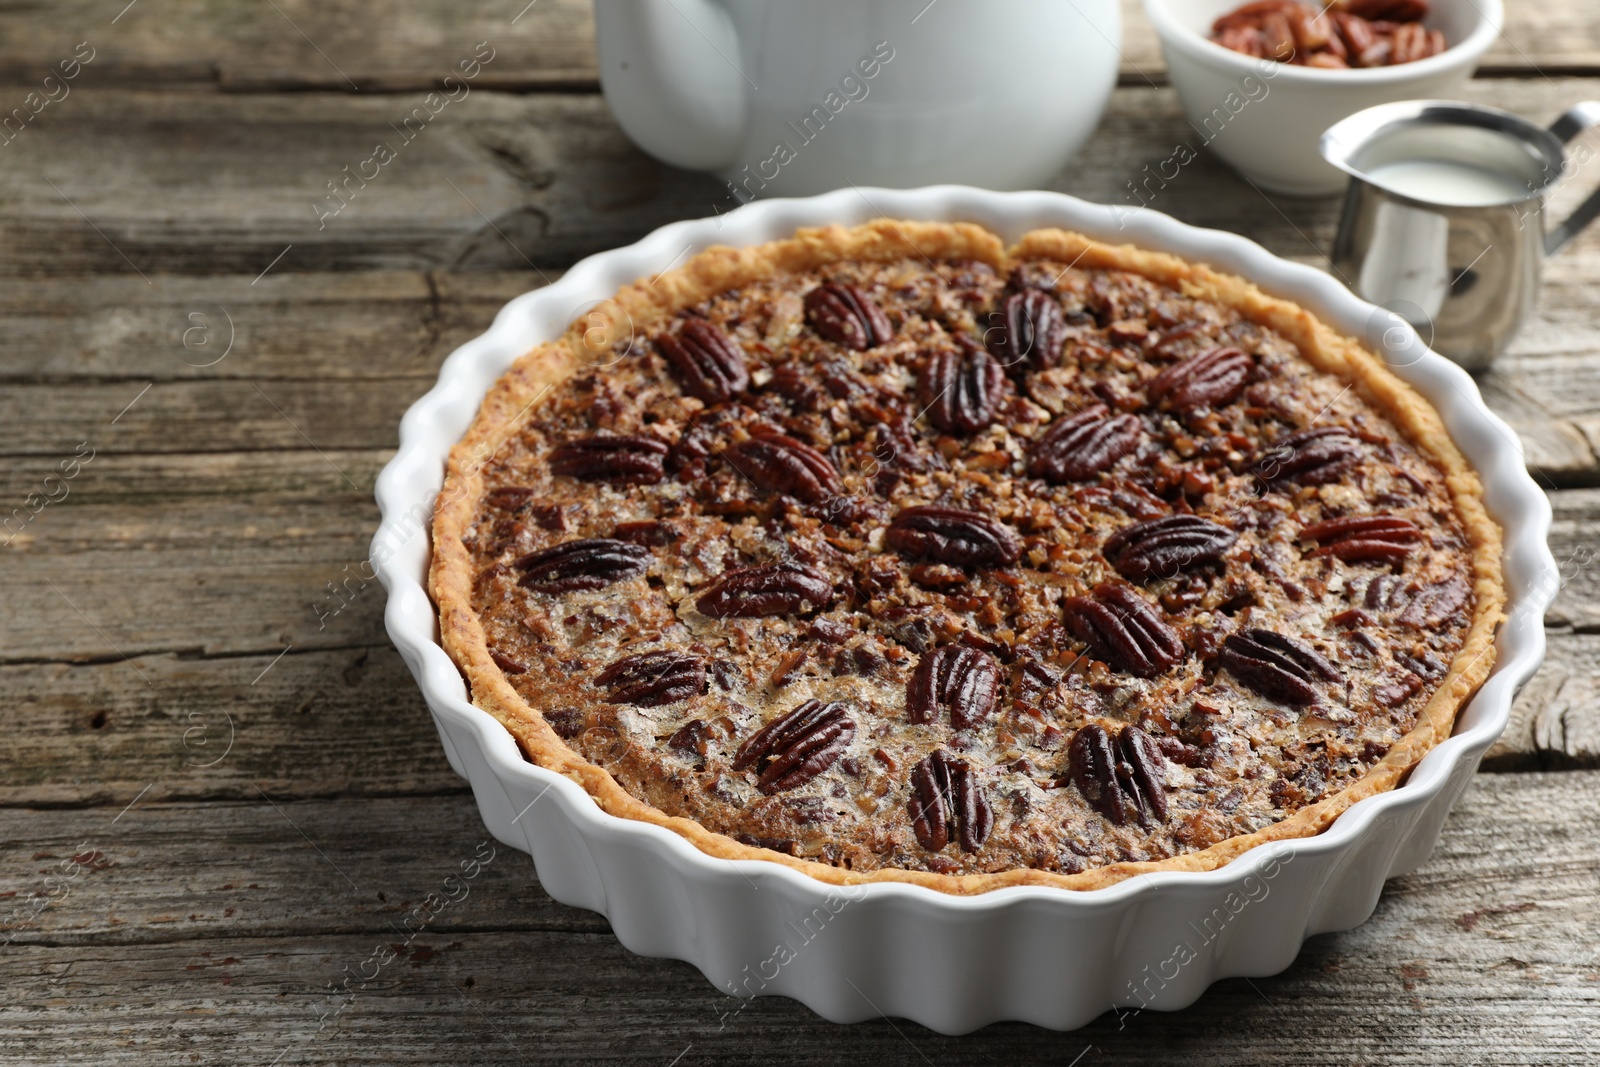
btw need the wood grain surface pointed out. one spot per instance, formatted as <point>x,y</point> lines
<point>220,786</point>
<point>544,45</point>
<point>253,913</point>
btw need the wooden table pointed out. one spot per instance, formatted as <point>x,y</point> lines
<point>220,794</point>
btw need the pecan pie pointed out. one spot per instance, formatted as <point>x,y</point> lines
<point>890,553</point>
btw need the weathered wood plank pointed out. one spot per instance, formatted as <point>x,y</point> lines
<point>313,723</point>
<point>301,45</point>
<point>493,182</point>
<point>254,581</point>
<point>1558,451</point>
<point>291,325</point>
<point>228,184</point>
<point>1575,542</point>
<point>543,45</point>
<point>50,422</point>
<point>167,480</point>
<point>181,872</point>
<point>1545,39</point>
<point>1485,955</point>
<point>1555,721</point>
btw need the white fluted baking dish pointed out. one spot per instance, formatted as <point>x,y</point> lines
<point>953,963</point>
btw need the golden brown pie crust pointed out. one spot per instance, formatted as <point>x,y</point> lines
<point>647,304</point>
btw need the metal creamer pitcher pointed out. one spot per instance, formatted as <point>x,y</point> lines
<point>1443,222</point>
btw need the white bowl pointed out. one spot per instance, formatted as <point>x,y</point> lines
<point>1047,956</point>
<point>1265,118</point>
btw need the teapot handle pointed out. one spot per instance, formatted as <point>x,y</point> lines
<point>1574,121</point>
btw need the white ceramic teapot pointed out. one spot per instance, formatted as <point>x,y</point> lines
<point>792,97</point>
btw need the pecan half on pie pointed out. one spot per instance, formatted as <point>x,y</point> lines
<point>892,553</point>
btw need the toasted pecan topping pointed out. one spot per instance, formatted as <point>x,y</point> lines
<point>1216,376</point>
<point>1077,447</point>
<point>611,457</point>
<point>769,589</point>
<point>965,682</point>
<point>1276,666</point>
<point>652,678</point>
<point>1121,778</point>
<point>953,535</point>
<point>1359,538</point>
<point>1163,548</point>
<point>1313,456</point>
<point>779,463</point>
<point>961,388</point>
<point>707,362</point>
<point>949,803</point>
<point>587,563</point>
<point>847,316</point>
<point>1027,332</point>
<point>1124,629</point>
<point>794,748</point>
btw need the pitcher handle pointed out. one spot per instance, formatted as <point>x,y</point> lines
<point>1574,121</point>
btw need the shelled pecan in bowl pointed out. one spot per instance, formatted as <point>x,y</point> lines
<point>1338,36</point>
